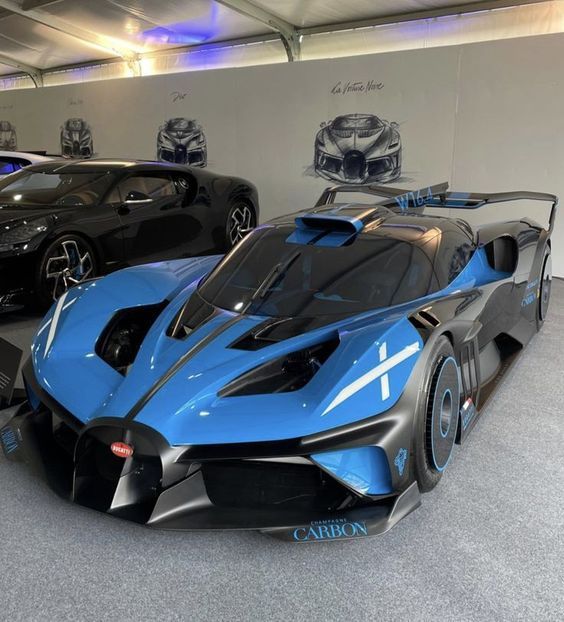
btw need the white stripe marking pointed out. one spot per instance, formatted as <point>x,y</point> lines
<point>373,374</point>
<point>54,323</point>
<point>385,379</point>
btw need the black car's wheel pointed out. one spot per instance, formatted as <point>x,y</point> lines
<point>544,290</point>
<point>437,416</point>
<point>240,221</point>
<point>66,262</point>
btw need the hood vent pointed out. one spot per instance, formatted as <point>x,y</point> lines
<point>289,372</point>
<point>275,330</point>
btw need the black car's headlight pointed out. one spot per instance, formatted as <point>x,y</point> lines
<point>21,233</point>
<point>120,341</point>
<point>290,372</point>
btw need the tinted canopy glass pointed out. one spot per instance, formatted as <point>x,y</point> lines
<point>266,275</point>
<point>357,122</point>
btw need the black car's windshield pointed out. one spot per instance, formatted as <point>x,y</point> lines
<point>267,275</point>
<point>54,188</point>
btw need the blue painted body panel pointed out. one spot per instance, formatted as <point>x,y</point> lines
<point>356,382</point>
<point>364,469</point>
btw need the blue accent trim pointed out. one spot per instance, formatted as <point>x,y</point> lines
<point>9,440</point>
<point>440,469</point>
<point>364,469</point>
<point>477,272</point>
<point>400,460</point>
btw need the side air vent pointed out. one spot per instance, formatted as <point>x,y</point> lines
<point>502,254</point>
<point>424,322</point>
<point>276,330</point>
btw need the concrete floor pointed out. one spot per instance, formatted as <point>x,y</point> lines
<point>487,543</point>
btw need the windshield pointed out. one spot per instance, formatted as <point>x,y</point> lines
<point>266,275</point>
<point>52,188</point>
<point>357,123</point>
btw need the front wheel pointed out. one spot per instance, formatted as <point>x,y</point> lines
<point>437,416</point>
<point>241,220</point>
<point>66,262</point>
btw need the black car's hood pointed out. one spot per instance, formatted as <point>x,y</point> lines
<point>12,214</point>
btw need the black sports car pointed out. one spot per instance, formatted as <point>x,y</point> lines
<point>358,148</point>
<point>64,222</point>
<point>76,139</point>
<point>182,141</point>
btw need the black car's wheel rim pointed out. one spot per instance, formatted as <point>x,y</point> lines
<point>545,287</point>
<point>442,415</point>
<point>240,223</point>
<point>67,265</point>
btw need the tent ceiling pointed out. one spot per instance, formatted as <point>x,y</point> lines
<point>46,34</point>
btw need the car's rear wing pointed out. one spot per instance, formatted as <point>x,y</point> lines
<point>437,196</point>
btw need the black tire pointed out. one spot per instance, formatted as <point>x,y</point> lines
<point>241,219</point>
<point>545,287</point>
<point>437,416</point>
<point>70,257</point>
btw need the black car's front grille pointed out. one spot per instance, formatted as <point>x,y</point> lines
<point>271,485</point>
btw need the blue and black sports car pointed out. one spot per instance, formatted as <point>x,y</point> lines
<point>310,384</point>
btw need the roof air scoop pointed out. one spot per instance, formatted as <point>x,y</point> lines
<point>330,223</point>
<point>326,229</point>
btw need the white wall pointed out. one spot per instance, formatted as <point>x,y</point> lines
<point>487,117</point>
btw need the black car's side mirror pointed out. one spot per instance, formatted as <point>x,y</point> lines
<point>135,197</point>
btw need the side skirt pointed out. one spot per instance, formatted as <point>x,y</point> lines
<point>478,395</point>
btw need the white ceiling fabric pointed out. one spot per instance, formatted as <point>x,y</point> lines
<point>153,31</point>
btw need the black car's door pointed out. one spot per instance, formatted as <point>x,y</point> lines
<point>156,225</point>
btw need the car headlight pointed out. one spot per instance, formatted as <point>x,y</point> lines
<point>290,372</point>
<point>394,141</point>
<point>197,140</point>
<point>165,139</point>
<point>21,233</point>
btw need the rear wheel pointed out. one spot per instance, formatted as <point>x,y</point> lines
<point>66,262</point>
<point>544,290</point>
<point>437,416</point>
<point>241,220</point>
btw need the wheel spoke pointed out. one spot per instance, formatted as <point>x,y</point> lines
<point>68,267</point>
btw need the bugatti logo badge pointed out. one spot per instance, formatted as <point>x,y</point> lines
<point>121,450</point>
